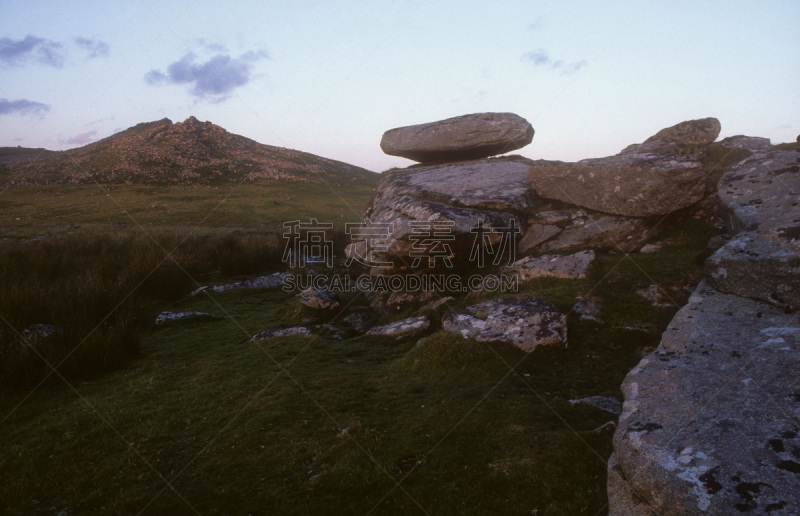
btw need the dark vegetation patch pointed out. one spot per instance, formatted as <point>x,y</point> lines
<point>299,424</point>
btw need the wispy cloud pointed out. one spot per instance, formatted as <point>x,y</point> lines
<point>34,49</point>
<point>98,121</point>
<point>93,47</point>
<point>80,139</point>
<point>214,79</point>
<point>541,57</point>
<point>31,49</point>
<point>22,106</point>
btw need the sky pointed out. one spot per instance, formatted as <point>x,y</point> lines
<point>330,77</point>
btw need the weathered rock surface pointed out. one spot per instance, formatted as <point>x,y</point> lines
<point>319,299</point>
<point>638,184</point>
<point>710,419</point>
<point>572,266</point>
<point>404,328</point>
<point>166,317</point>
<point>285,332</point>
<point>499,184</point>
<point>270,281</point>
<point>592,230</point>
<point>750,143</point>
<point>430,217</point>
<point>760,198</point>
<point>524,323</point>
<point>692,132</point>
<point>464,137</point>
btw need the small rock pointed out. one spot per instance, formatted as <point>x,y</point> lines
<point>573,266</point>
<point>166,317</point>
<point>285,332</point>
<point>524,323</point>
<point>359,322</point>
<point>588,308</point>
<point>692,132</point>
<point>270,281</point>
<point>401,329</point>
<point>606,403</point>
<point>651,248</point>
<point>319,299</point>
<point>656,297</point>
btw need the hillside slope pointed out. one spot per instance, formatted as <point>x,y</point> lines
<point>189,152</point>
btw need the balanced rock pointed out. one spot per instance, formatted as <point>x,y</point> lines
<point>710,419</point>
<point>691,132</point>
<point>464,137</point>
<point>759,197</point>
<point>524,323</point>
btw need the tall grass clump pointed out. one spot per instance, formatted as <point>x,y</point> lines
<point>94,289</point>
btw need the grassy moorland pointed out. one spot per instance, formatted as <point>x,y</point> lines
<point>199,419</point>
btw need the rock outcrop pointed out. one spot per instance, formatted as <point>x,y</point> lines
<point>632,185</point>
<point>464,137</point>
<point>761,202</point>
<point>710,419</point>
<point>657,177</point>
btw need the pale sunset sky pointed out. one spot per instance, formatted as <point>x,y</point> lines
<point>329,77</point>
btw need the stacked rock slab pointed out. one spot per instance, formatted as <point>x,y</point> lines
<point>711,419</point>
<point>615,202</point>
<point>611,203</point>
<point>653,178</point>
<point>465,190</point>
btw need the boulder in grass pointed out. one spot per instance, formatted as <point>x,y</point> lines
<point>525,323</point>
<point>168,317</point>
<point>284,332</point>
<point>404,328</point>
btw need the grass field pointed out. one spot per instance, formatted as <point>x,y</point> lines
<point>206,421</point>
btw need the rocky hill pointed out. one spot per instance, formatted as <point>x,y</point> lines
<point>163,152</point>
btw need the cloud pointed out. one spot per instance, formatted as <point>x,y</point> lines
<point>93,47</point>
<point>540,57</point>
<point>22,106</point>
<point>80,139</point>
<point>95,122</point>
<point>214,79</point>
<point>31,48</point>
